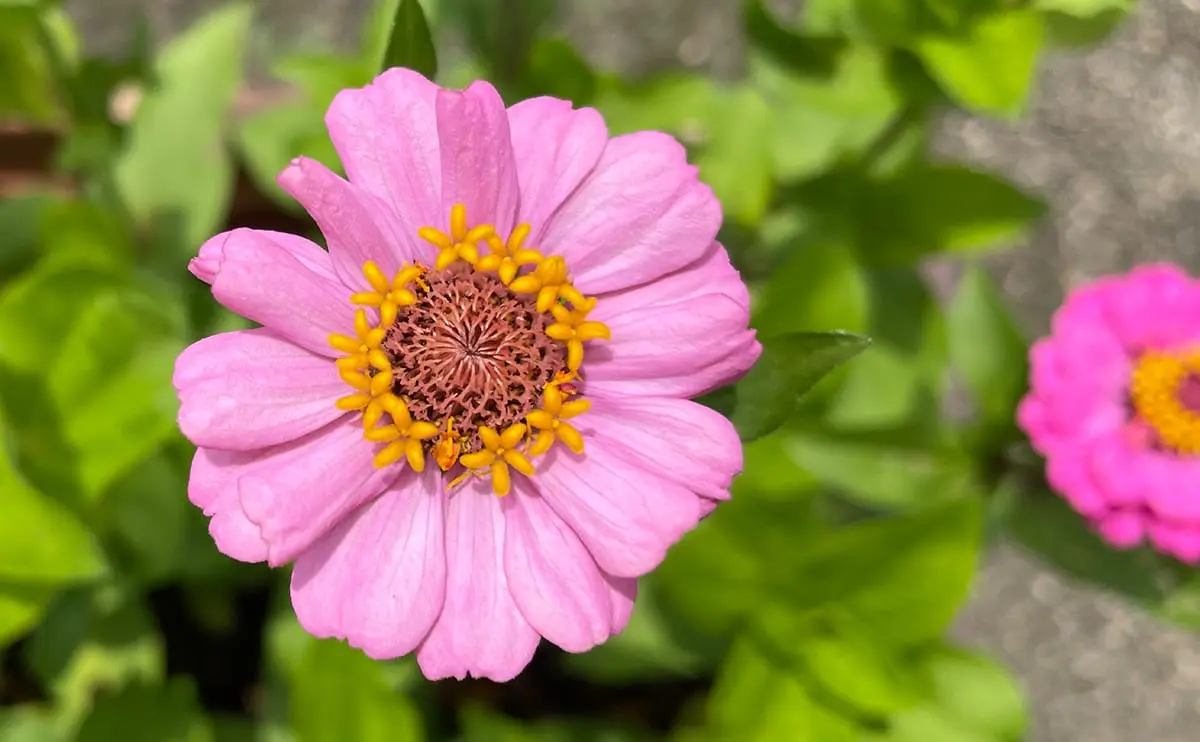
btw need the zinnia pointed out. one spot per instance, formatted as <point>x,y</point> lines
<point>467,422</point>
<point>1114,406</point>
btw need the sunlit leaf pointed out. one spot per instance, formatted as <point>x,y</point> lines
<point>410,43</point>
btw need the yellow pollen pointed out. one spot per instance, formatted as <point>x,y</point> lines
<point>507,259</point>
<point>572,327</point>
<point>550,281</point>
<point>402,436</point>
<point>1155,391</point>
<point>551,421</point>
<point>445,451</point>
<point>499,452</point>
<point>388,297</point>
<point>461,243</point>
<point>365,368</point>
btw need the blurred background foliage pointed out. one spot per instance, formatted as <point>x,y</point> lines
<point>813,606</point>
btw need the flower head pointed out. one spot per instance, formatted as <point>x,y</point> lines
<point>1114,406</point>
<point>467,422</point>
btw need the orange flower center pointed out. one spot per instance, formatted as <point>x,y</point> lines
<point>1165,392</point>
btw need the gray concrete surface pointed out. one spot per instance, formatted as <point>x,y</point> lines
<point>1113,141</point>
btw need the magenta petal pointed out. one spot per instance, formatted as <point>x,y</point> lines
<point>387,137</point>
<point>212,487</point>
<point>1173,487</point>
<point>249,389</point>
<point>675,439</point>
<point>1122,529</point>
<point>1069,474</point>
<point>357,226</point>
<point>555,146</point>
<point>478,170</point>
<point>378,579</point>
<point>625,516</point>
<point>709,276</point>
<point>622,594</point>
<point>297,493</point>
<point>1179,541</point>
<point>1160,291</point>
<point>261,278</point>
<point>686,384</point>
<point>481,632</point>
<point>553,579</point>
<point>640,215</point>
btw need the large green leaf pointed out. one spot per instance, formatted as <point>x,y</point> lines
<point>29,90</point>
<point>790,366</point>
<point>986,347</point>
<point>409,42</point>
<point>818,286</point>
<point>148,713</point>
<point>990,69</point>
<point>22,606</point>
<point>339,694</point>
<point>175,173</point>
<point>736,157</point>
<point>978,693</point>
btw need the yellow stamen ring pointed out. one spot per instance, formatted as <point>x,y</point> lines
<point>1157,390</point>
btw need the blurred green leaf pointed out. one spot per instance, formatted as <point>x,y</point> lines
<point>986,347</point>
<point>806,54</point>
<point>676,103</point>
<point>929,724</point>
<point>409,42</point>
<point>501,35</point>
<point>736,157</point>
<point>978,693</point>
<point>29,90</point>
<point>147,509</point>
<point>339,694</point>
<point>756,700</point>
<point>1072,32</point>
<point>94,643</point>
<point>21,608</point>
<point>790,365</point>
<point>990,69</point>
<point>557,69</point>
<point>320,77</point>
<point>142,713</point>
<point>884,22</point>
<point>649,649</point>
<point>483,725</point>
<point>817,287</point>
<point>1083,8</point>
<point>175,174</point>
<point>269,139</point>
<point>20,217</point>
<point>28,724</point>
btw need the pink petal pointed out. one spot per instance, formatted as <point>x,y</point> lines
<point>1172,487</point>
<point>261,278</point>
<point>357,226</point>
<point>480,632</point>
<point>555,147</point>
<point>478,169</point>
<point>1123,474</point>
<point>379,578</point>
<point>671,341</point>
<point>212,486</point>
<point>625,516</point>
<point>743,354</point>
<point>1068,473</point>
<point>553,579</point>
<point>640,215</point>
<point>1179,541</point>
<point>1154,306</point>
<point>622,594</point>
<point>249,389</point>
<point>1122,529</point>
<point>674,439</point>
<point>299,492</point>
<point>709,276</point>
<point>386,135</point>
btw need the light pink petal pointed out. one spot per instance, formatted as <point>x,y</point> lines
<point>1069,474</point>
<point>710,276</point>
<point>1122,473</point>
<point>625,516</point>
<point>1173,487</point>
<point>480,632</point>
<point>1122,529</point>
<point>1031,418</point>
<point>1154,306</point>
<point>553,578</point>
<point>386,135</point>
<point>249,389</point>
<point>357,226</point>
<point>1179,541</point>
<point>555,147</point>
<point>675,342</point>
<point>478,169</point>
<point>622,594</point>
<point>378,579</point>
<point>641,214</point>
<point>298,492</point>
<point>212,487</point>
<point>675,439</point>
<point>685,382</point>
<point>261,278</point>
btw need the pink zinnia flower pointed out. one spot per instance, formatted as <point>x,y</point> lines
<point>1114,406</point>
<point>467,423</point>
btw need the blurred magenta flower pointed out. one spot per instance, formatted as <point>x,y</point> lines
<point>511,294</point>
<point>1114,406</point>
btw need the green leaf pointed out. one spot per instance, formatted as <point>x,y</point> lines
<point>269,139</point>
<point>1075,32</point>
<point>29,90</point>
<point>41,541</point>
<point>409,41</point>
<point>990,69</point>
<point>321,77</point>
<point>929,724</point>
<point>29,724</point>
<point>757,700</point>
<point>676,103</point>
<point>931,209</point>
<point>819,286</point>
<point>986,347</point>
<point>147,510</point>
<point>22,606</point>
<point>557,69</point>
<point>1083,8</point>
<point>903,578</point>
<point>790,365</point>
<point>339,694</point>
<point>161,713</point>
<point>480,724</point>
<point>175,174</point>
<point>736,158</point>
<point>978,693</point>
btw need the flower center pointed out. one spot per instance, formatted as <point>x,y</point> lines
<point>475,362</point>
<point>1165,393</point>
